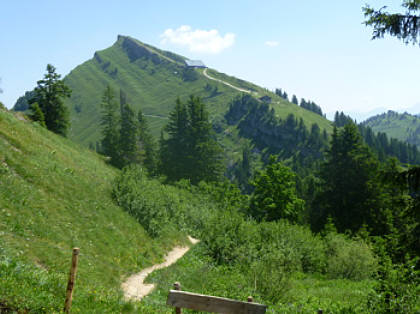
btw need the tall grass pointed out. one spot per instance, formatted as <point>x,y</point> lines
<point>55,195</point>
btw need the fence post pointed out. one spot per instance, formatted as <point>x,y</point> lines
<point>320,311</point>
<point>177,286</point>
<point>72,278</point>
<point>250,299</point>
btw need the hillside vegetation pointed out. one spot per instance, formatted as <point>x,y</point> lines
<point>405,126</point>
<point>152,79</point>
<point>55,195</point>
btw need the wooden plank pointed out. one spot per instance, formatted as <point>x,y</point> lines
<point>207,303</point>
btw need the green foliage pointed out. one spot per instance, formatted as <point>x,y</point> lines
<point>351,259</point>
<point>350,185</point>
<point>37,114</point>
<point>189,74</point>
<point>161,208</point>
<point>49,95</point>
<point>312,106</point>
<point>397,288</point>
<point>404,26</point>
<point>292,292</point>
<point>147,144</point>
<point>128,146</point>
<point>22,103</point>
<point>274,196</point>
<point>392,126</point>
<point>110,125</point>
<point>54,196</point>
<point>286,137</point>
<point>190,152</point>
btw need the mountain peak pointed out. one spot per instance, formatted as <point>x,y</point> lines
<point>136,49</point>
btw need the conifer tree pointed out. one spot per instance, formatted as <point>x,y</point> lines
<point>49,95</point>
<point>351,190</point>
<point>174,151</point>
<point>128,138</point>
<point>190,152</point>
<point>294,99</point>
<point>147,144</point>
<point>110,123</point>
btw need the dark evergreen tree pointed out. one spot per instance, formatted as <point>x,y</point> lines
<point>128,138</point>
<point>147,144</point>
<point>49,95</point>
<point>294,99</point>
<point>110,126</point>
<point>351,190</point>
<point>174,151</point>
<point>190,152</point>
<point>404,26</point>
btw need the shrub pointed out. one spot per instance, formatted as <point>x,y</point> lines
<point>229,238</point>
<point>303,251</point>
<point>349,258</point>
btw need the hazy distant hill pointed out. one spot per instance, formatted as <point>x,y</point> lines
<point>405,126</point>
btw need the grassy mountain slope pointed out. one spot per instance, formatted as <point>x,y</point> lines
<point>405,126</point>
<point>152,80</point>
<point>55,195</point>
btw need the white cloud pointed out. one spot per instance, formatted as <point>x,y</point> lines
<point>198,40</point>
<point>271,43</point>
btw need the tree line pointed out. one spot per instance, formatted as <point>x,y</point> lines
<point>308,105</point>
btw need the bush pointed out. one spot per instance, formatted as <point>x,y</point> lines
<point>349,258</point>
<point>303,251</point>
<point>161,208</point>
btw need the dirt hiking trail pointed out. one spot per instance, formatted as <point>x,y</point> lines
<point>134,287</point>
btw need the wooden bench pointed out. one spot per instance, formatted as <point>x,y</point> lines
<point>199,302</point>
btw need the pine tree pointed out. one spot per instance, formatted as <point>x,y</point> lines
<point>48,94</point>
<point>174,151</point>
<point>110,123</point>
<point>351,190</point>
<point>128,139</point>
<point>190,152</point>
<point>294,99</point>
<point>147,143</point>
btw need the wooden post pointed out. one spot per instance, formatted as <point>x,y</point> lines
<point>250,299</point>
<point>320,311</point>
<point>177,286</point>
<point>72,278</point>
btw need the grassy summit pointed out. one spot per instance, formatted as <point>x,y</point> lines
<point>152,79</point>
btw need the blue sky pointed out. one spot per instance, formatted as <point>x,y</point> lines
<point>318,50</point>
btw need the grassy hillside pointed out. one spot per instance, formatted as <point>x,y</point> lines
<point>405,127</point>
<point>55,195</point>
<point>152,80</point>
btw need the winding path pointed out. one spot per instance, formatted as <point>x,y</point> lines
<point>134,287</point>
<point>227,84</point>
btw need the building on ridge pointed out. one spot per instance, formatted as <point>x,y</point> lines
<point>195,64</point>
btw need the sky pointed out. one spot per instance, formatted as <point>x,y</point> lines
<point>318,50</point>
